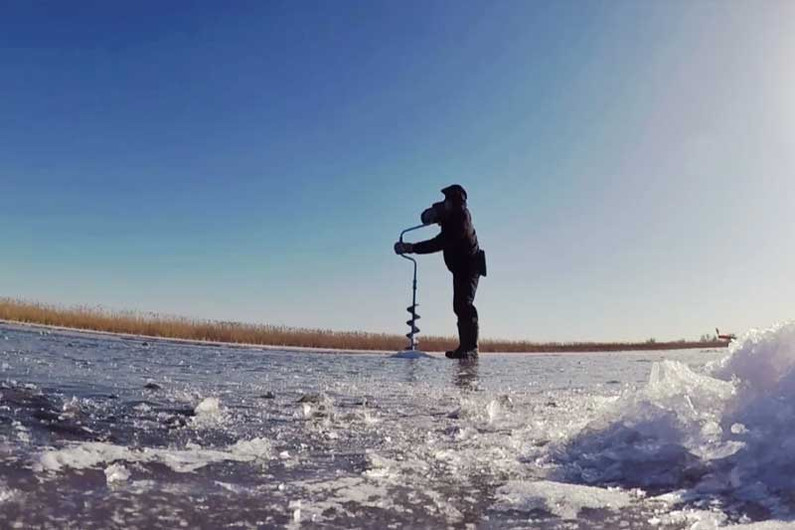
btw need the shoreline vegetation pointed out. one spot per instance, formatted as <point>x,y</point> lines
<point>175,327</point>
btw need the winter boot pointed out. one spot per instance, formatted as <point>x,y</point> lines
<point>467,340</point>
<point>474,335</point>
<point>456,353</point>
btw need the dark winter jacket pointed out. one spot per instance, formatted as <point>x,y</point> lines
<point>458,241</point>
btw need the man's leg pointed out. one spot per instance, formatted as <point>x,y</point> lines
<point>464,288</point>
<point>470,316</point>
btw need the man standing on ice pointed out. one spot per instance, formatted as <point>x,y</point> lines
<point>463,257</point>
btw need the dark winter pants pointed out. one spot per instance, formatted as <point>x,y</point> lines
<point>465,284</point>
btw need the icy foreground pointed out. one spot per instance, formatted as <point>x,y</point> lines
<point>98,432</point>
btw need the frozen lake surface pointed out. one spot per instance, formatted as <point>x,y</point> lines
<point>107,432</point>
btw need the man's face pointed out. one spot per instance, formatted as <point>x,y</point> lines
<point>437,212</point>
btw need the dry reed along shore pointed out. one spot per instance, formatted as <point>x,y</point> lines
<point>154,325</point>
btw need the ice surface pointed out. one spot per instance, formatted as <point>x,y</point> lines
<point>97,429</point>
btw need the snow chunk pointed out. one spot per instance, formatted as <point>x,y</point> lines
<point>92,454</point>
<point>116,473</point>
<point>208,412</point>
<point>563,500</point>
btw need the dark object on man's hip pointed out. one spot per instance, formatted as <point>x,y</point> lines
<point>481,262</point>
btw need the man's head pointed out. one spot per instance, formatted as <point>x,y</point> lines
<point>455,193</point>
<point>455,197</point>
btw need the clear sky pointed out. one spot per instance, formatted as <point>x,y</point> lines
<point>630,165</point>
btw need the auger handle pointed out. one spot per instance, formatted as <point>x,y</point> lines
<point>409,230</point>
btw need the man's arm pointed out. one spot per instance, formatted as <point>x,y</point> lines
<point>428,247</point>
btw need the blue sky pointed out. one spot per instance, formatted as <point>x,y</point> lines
<point>629,164</point>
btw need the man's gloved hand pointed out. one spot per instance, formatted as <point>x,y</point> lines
<point>403,248</point>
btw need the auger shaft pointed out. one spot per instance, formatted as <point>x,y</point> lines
<point>412,309</point>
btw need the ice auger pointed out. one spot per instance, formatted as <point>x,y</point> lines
<point>412,309</point>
